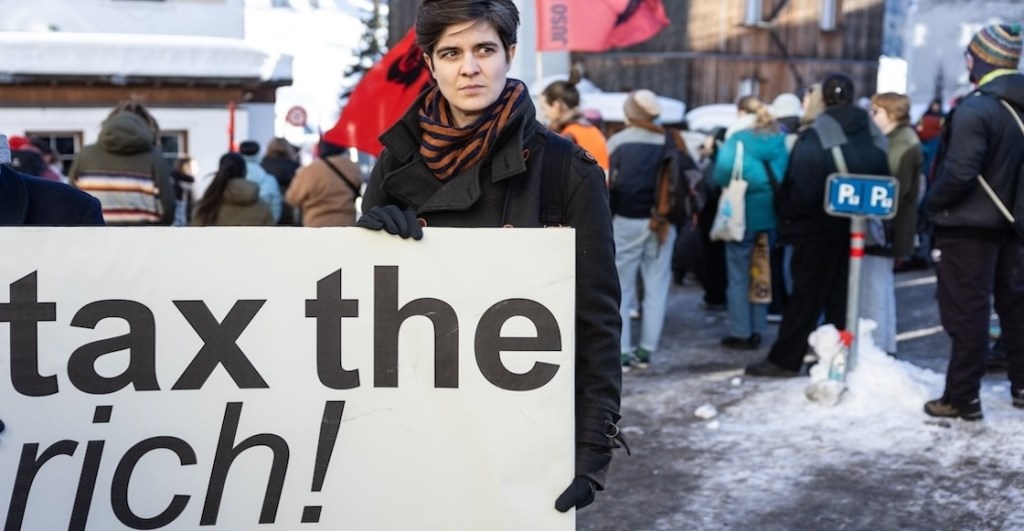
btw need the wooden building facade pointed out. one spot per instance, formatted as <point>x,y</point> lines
<point>715,51</point>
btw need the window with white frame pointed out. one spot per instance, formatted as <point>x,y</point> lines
<point>749,86</point>
<point>754,12</point>
<point>173,145</point>
<point>63,144</point>
<point>829,14</point>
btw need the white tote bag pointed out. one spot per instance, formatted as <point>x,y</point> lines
<point>730,221</point>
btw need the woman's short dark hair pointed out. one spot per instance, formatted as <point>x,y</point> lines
<point>435,16</point>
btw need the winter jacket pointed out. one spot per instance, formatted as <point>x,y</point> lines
<point>636,157</point>
<point>980,137</point>
<point>504,189</point>
<point>759,147</point>
<point>588,137</point>
<point>270,191</point>
<point>906,161</point>
<point>326,200</point>
<point>126,172</point>
<point>241,206</point>
<point>26,200</point>
<point>283,169</point>
<point>864,149</point>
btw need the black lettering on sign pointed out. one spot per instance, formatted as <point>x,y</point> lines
<point>387,322</point>
<point>140,342</point>
<point>28,467</point>
<point>329,309</point>
<point>490,344</point>
<point>24,312</point>
<point>123,475</point>
<point>220,347</point>
<point>228,451</point>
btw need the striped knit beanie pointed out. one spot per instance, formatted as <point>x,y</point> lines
<point>998,45</point>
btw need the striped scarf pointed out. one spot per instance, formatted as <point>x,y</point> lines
<point>448,149</point>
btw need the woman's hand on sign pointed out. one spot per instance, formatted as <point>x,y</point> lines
<point>579,494</point>
<point>392,220</point>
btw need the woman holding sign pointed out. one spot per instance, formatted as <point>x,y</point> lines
<point>471,153</point>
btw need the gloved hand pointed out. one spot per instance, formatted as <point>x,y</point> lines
<point>579,494</point>
<point>1,426</point>
<point>393,220</point>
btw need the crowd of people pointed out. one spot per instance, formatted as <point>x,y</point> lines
<point>479,157</point>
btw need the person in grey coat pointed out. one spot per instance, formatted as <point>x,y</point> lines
<point>469,153</point>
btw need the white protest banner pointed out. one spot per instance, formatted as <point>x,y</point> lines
<point>285,379</point>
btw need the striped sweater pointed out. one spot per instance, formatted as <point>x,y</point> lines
<point>126,173</point>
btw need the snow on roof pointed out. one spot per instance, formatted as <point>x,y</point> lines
<point>107,54</point>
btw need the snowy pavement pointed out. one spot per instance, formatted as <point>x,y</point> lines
<point>713,449</point>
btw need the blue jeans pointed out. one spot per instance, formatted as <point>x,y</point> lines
<point>745,318</point>
<point>637,250</point>
<point>878,299</point>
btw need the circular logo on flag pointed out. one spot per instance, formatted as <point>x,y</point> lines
<point>296,116</point>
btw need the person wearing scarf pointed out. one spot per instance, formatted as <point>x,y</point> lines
<point>644,238</point>
<point>468,153</point>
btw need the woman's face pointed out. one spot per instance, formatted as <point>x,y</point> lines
<point>470,66</point>
<point>881,119</point>
<point>552,111</point>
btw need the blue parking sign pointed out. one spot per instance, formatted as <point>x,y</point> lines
<point>871,196</point>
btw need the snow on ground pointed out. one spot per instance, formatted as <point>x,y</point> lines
<point>757,450</point>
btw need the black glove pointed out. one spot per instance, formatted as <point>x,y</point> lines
<point>1,426</point>
<point>393,220</point>
<point>579,494</point>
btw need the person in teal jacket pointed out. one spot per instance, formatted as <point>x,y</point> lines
<point>764,145</point>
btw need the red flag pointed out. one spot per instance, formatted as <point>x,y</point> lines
<point>381,97</point>
<point>597,25</point>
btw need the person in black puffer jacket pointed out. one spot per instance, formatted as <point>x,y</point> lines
<point>821,242</point>
<point>977,254</point>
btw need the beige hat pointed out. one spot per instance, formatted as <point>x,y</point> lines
<point>642,105</point>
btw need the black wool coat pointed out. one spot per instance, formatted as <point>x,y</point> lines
<point>504,190</point>
<point>26,200</point>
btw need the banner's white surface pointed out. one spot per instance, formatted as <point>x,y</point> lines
<point>137,410</point>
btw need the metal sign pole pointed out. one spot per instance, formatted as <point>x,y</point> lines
<point>858,225</point>
<point>857,197</point>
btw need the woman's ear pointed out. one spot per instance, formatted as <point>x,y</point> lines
<point>430,65</point>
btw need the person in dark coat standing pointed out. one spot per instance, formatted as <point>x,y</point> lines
<point>977,254</point>
<point>821,242</point>
<point>282,161</point>
<point>469,153</point>
<point>26,200</point>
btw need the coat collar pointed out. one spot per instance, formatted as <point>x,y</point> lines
<point>13,197</point>
<point>410,180</point>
